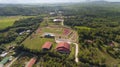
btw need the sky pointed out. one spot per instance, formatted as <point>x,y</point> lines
<point>47,1</point>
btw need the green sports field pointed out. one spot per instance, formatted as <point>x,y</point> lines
<point>6,21</point>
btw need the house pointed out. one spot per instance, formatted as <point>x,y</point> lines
<point>31,62</point>
<point>60,12</point>
<point>28,31</point>
<point>63,47</point>
<point>21,33</point>
<point>3,54</point>
<point>47,46</point>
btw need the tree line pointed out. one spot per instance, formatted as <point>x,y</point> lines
<point>19,26</point>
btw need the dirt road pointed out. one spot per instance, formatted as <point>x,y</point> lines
<point>76,53</point>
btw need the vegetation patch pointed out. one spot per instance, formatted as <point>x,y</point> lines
<point>6,21</point>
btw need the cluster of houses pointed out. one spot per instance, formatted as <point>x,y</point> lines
<point>61,47</point>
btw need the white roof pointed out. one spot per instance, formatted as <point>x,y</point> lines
<point>4,54</point>
<point>28,31</point>
<point>55,20</point>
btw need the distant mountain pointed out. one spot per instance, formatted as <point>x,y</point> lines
<point>99,1</point>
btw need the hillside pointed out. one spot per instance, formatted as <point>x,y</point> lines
<point>98,28</point>
<point>91,31</point>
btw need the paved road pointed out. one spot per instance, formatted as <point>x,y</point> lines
<point>14,60</point>
<point>76,53</point>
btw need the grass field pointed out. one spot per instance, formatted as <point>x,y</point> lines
<point>82,27</point>
<point>36,42</point>
<point>6,21</point>
<point>53,30</point>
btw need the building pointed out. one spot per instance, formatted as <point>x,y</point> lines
<point>47,46</point>
<point>28,31</point>
<point>31,62</point>
<point>58,20</point>
<point>48,35</point>
<point>53,14</point>
<point>63,47</point>
<point>3,54</point>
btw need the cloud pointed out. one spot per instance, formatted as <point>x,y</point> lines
<point>37,1</point>
<point>43,1</point>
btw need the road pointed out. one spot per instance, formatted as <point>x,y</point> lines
<point>76,53</point>
<point>14,60</point>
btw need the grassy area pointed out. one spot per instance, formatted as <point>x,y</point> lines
<point>36,42</point>
<point>6,21</point>
<point>53,30</point>
<point>110,61</point>
<point>72,54</point>
<point>82,27</point>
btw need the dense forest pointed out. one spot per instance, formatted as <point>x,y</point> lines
<point>98,27</point>
<point>14,10</point>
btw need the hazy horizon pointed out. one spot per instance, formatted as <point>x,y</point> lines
<point>50,1</point>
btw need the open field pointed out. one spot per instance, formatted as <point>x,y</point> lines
<point>53,30</point>
<point>82,27</point>
<point>36,44</point>
<point>6,21</point>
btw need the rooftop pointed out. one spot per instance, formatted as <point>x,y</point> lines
<point>31,62</point>
<point>63,44</point>
<point>47,45</point>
